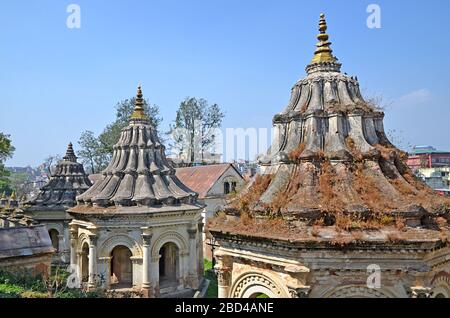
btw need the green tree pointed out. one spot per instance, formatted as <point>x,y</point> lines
<point>95,151</point>
<point>6,151</point>
<point>193,131</point>
<point>91,153</point>
<point>20,182</point>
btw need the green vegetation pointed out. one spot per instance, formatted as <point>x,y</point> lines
<point>212,291</point>
<point>6,151</point>
<point>25,285</point>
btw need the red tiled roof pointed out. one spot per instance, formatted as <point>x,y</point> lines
<point>201,178</point>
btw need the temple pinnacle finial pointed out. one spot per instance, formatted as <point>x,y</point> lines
<point>70,154</point>
<point>323,52</point>
<point>139,112</point>
<point>13,196</point>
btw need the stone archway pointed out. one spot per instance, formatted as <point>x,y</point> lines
<point>169,263</point>
<point>441,286</point>
<point>85,262</point>
<point>121,267</point>
<point>255,285</point>
<point>54,237</point>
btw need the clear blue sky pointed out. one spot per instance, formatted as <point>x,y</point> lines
<point>56,82</point>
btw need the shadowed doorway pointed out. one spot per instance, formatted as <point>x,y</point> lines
<point>168,265</point>
<point>121,267</point>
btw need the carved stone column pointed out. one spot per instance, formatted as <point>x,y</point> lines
<point>201,262</point>
<point>92,261</point>
<point>193,275</point>
<point>154,276</point>
<point>104,265</point>
<point>224,269</point>
<point>146,251</point>
<point>60,252</point>
<point>73,245</point>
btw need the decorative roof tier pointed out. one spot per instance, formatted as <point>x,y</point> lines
<point>67,181</point>
<point>330,152</point>
<point>139,173</point>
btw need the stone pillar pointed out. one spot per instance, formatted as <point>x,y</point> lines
<point>67,243</point>
<point>104,265</point>
<point>154,276</point>
<point>146,266</point>
<point>224,269</point>
<point>193,259</point>
<point>73,245</point>
<point>61,244</point>
<point>92,261</point>
<point>201,261</point>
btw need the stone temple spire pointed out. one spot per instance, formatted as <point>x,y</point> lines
<point>139,112</point>
<point>323,59</point>
<point>70,154</point>
<point>323,52</point>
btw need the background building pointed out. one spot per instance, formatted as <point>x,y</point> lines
<point>214,184</point>
<point>432,166</point>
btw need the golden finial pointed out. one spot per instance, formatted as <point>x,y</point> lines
<point>3,197</point>
<point>13,196</point>
<point>139,112</point>
<point>323,52</point>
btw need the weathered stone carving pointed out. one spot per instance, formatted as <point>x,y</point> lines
<point>299,292</point>
<point>67,181</point>
<point>139,173</point>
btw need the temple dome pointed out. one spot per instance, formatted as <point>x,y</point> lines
<point>330,152</point>
<point>67,181</point>
<point>139,173</point>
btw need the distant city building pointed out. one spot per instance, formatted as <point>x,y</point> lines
<point>428,157</point>
<point>432,166</point>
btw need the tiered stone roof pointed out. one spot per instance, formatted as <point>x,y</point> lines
<point>67,181</point>
<point>330,154</point>
<point>139,173</point>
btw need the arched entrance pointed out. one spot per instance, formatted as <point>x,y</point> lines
<point>259,295</point>
<point>85,262</point>
<point>54,237</point>
<point>168,265</point>
<point>256,285</point>
<point>121,267</point>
